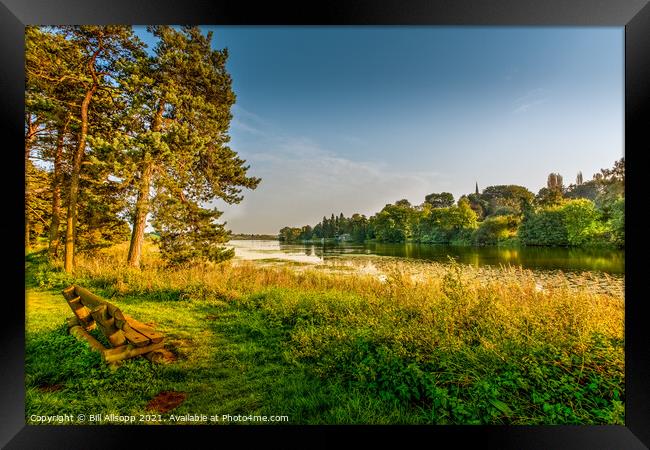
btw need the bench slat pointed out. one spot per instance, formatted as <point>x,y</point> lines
<point>135,338</point>
<point>144,329</point>
<point>128,351</point>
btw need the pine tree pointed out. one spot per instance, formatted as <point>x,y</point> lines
<point>118,125</point>
<point>189,232</point>
<point>52,90</point>
<point>190,163</point>
<point>37,200</point>
<point>103,49</point>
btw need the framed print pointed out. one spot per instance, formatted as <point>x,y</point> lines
<point>252,221</point>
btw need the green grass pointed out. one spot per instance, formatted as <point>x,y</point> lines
<point>330,348</point>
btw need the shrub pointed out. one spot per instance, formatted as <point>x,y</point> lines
<point>496,229</point>
<point>505,211</point>
<point>50,278</point>
<point>617,222</point>
<point>545,227</point>
<point>573,223</point>
<point>581,219</point>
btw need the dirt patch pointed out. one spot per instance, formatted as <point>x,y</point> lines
<point>180,347</point>
<point>211,317</point>
<point>50,387</point>
<point>166,401</point>
<point>161,356</point>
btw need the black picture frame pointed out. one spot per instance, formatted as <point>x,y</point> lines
<point>634,15</point>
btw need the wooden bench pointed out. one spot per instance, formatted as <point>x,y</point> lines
<point>128,337</point>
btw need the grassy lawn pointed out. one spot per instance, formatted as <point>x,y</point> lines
<point>229,362</point>
<point>325,348</point>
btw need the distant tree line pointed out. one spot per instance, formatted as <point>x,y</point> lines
<point>583,213</point>
<point>253,236</point>
<point>116,136</point>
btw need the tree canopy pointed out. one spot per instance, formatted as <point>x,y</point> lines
<point>124,136</point>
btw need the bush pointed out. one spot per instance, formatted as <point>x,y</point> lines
<point>463,237</point>
<point>545,227</point>
<point>50,278</point>
<point>581,219</point>
<point>505,211</point>
<point>573,223</point>
<point>617,223</point>
<point>496,229</point>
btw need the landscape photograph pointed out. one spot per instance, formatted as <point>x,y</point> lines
<point>324,225</point>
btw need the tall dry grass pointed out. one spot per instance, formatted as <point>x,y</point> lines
<point>454,304</point>
<point>477,345</point>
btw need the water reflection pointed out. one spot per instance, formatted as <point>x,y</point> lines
<point>567,259</point>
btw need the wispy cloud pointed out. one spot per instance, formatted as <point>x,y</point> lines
<point>354,140</point>
<point>248,128</point>
<point>531,99</point>
<point>302,181</point>
<point>526,106</point>
<point>249,122</point>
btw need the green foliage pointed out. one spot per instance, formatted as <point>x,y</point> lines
<point>288,234</point>
<point>395,223</point>
<point>575,222</point>
<point>441,200</point>
<point>49,278</point>
<point>463,236</point>
<point>444,225</point>
<point>155,122</point>
<point>496,229</point>
<point>549,197</point>
<point>544,227</point>
<point>589,190</point>
<point>447,372</point>
<point>582,221</point>
<point>358,227</point>
<point>188,232</point>
<point>612,181</point>
<point>38,198</point>
<point>102,221</point>
<point>478,205</point>
<point>355,228</point>
<point>617,222</point>
<point>513,196</point>
<point>191,98</point>
<point>505,211</point>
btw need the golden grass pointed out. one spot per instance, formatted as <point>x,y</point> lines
<point>494,304</point>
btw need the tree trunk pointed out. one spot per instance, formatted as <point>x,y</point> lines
<point>141,211</point>
<point>32,126</point>
<point>56,192</point>
<point>71,222</point>
<point>27,225</point>
<point>142,202</point>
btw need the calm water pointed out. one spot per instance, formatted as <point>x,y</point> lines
<point>545,258</point>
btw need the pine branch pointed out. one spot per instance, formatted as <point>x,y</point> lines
<point>38,216</point>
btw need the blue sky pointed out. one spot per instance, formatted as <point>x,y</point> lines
<point>347,119</point>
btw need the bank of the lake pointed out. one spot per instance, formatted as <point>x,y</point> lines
<point>325,343</point>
